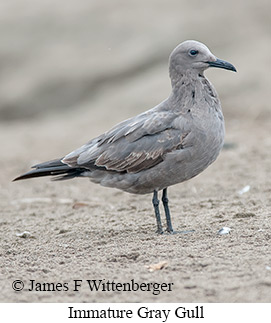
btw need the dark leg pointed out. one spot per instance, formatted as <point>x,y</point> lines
<point>167,213</point>
<point>155,203</point>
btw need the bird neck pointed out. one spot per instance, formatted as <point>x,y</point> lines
<point>188,81</point>
<point>192,87</point>
<point>184,77</point>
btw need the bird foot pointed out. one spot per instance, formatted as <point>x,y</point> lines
<point>167,232</point>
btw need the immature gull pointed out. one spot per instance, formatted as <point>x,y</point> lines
<point>169,144</point>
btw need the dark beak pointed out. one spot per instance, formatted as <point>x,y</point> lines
<point>222,64</point>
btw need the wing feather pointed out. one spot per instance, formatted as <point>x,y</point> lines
<point>133,145</point>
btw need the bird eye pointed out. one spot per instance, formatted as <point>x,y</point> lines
<point>193,52</point>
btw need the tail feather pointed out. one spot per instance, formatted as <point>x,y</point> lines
<point>52,168</point>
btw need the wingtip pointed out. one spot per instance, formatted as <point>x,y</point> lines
<point>25,176</point>
<point>18,178</point>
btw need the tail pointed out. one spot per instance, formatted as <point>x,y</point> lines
<point>53,168</point>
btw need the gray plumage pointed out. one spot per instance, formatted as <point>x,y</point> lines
<point>169,144</point>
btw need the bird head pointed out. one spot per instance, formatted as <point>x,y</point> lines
<point>194,57</point>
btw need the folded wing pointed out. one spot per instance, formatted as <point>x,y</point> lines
<point>132,146</point>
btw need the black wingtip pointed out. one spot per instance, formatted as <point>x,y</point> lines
<point>30,174</point>
<point>24,176</point>
<point>59,172</point>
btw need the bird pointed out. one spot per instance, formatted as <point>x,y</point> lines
<point>166,145</point>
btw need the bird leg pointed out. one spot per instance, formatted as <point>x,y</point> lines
<point>155,203</point>
<point>167,213</point>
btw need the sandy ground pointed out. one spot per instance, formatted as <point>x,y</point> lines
<point>76,230</point>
